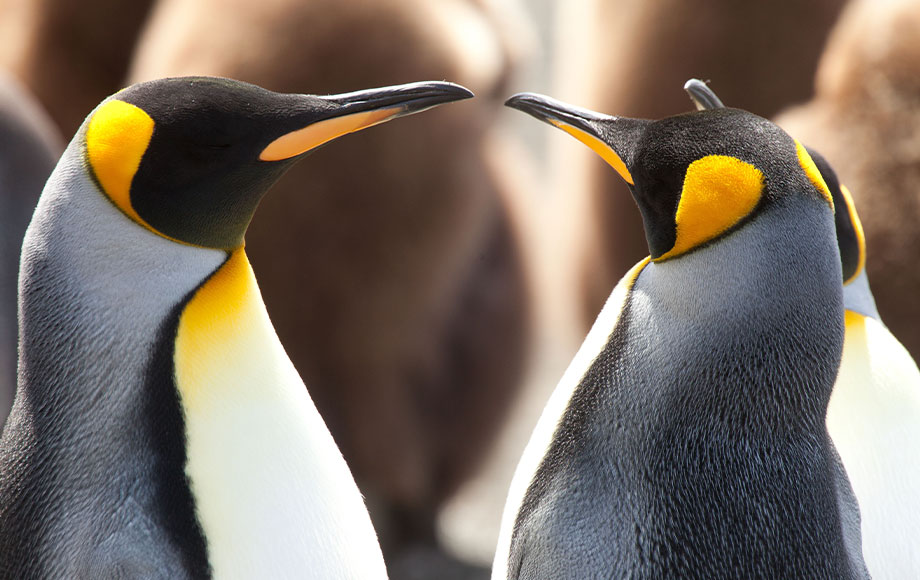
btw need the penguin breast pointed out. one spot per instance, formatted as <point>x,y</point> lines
<point>273,494</point>
<point>874,420</point>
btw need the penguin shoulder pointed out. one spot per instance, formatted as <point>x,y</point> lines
<point>547,427</point>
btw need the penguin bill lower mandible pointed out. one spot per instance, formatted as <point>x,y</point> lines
<point>159,429</point>
<point>687,437</point>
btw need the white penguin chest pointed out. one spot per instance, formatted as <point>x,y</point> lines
<point>273,494</point>
<point>874,420</point>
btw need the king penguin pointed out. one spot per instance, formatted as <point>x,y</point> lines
<point>687,437</point>
<point>874,412</point>
<point>873,415</point>
<point>159,429</point>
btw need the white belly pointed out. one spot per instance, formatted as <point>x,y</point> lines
<point>274,496</point>
<point>874,419</point>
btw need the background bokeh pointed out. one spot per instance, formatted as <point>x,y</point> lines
<point>432,277</point>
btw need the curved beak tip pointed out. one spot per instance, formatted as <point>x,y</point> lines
<point>537,106</point>
<point>702,96</point>
<point>458,91</point>
<point>553,111</point>
<point>416,97</point>
<point>520,100</point>
<point>691,83</point>
<point>436,92</point>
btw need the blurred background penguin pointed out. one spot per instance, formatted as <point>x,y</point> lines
<point>421,274</point>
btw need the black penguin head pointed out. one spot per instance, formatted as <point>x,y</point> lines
<point>190,158</point>
<point>695,177</point>
<point>850,238</point>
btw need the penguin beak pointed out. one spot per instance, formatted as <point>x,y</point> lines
<point>595,130</point>
<point>702,96</point>
<point>355,111</point>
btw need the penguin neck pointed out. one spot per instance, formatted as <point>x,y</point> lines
<point>857,297</point>
<point>226,305</point>
<point>262,465</point>
<point>767,292</point>
<point>96,294</point>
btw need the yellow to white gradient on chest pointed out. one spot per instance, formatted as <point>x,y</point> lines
<point>272,492</point>
<point>213,328</point>
<point>258,453</point>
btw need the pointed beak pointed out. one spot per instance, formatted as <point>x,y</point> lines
<point>585,125</point>
<point>556,113</point>
<point>702,96</point>
<point>352,112</point>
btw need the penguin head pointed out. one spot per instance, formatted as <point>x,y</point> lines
<point>695,177</point>
<point>190,158</point>
<point>850,237</point>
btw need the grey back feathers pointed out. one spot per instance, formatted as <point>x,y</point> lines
<point>694,444</point>
<point>693,447</point>
<point>74,431</point>
<point>29,148</point>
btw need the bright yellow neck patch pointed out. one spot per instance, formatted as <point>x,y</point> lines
<point>854,322</point>
<point>226,307</point>
<point>718,192</point>
<point>315,134</point>
<point>599,147</point>
<point>116,139</point>
<point>857,227</point>
<point>811,170</point>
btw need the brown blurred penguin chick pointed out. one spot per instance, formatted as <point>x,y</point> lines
<point>865,119</point>
<point>29,147</point>
<point>70,55</point>
<point>630,55</point>
<point>390,264</point>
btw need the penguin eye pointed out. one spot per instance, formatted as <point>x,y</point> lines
<point>204,154</point>
<point>718,192</point>
<point>206,144</point>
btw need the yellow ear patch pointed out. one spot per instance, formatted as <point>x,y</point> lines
<point>116,139</point>
<point>857,227</point>
<point>599,147</point>
<point>718,192</point>
<point>811,170</point>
